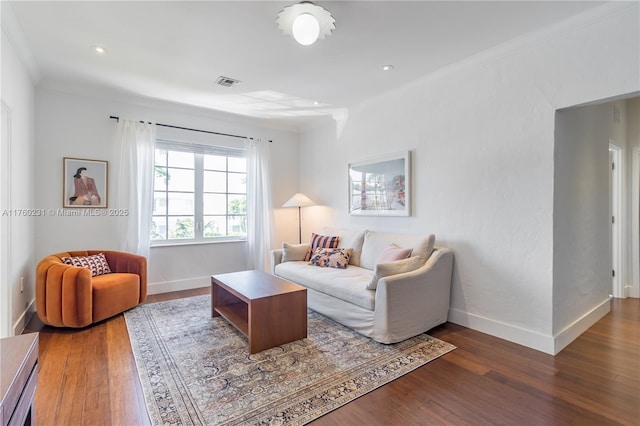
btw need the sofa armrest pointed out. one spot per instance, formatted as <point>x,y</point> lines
<point>276,259</point>
<point>413,302</point>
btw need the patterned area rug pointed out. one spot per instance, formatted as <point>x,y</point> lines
<point>196,370</point>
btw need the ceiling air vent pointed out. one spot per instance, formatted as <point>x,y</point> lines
<point>227,82</point>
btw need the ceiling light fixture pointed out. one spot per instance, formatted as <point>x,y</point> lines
<point>387,67</point>
<point>305,22</point>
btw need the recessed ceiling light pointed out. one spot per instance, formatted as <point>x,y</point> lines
<point>101,50</point>
<point>387,67</point>
<point>316,103</point>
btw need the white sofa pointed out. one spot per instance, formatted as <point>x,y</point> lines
<point>402,306</point>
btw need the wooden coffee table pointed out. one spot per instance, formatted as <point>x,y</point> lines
<point>268,310</point>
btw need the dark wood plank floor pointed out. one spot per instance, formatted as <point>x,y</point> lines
<point>88,377</point>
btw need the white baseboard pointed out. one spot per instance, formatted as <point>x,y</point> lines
<point>169,286</point>
<point>632,291</point>
<point>579,326</point>
<point>531,339</point>
<point>521,336</point>
<point>25,317</point>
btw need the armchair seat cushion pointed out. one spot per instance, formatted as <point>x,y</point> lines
<point>114,293</point>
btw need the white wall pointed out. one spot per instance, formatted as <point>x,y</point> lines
<point>581,220</point>
<point>72,125</point>
<point>18,95</point>
<point>482,136</point>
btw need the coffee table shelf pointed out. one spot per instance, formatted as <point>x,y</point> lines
<point>236,314</point>
<point>268,310</point>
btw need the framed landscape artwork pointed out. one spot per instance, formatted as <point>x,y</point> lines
<point>381,186</point>
<point>84,183</point>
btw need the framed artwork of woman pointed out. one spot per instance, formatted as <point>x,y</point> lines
<point>84,183</point>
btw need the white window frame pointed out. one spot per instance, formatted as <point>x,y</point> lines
<point>199,150</point>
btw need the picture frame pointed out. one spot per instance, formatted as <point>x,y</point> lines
<point>381,186</point>
<point>84,183</point>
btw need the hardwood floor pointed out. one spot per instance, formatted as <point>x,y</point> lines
<point>88,377</point>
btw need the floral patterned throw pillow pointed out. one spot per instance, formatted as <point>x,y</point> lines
<point>331,257</point>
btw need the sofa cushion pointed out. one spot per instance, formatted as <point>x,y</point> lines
<point>96,263</point>
<point>293,252</point>
<point>344,284</point>
<point>321,241</point>
<point>114,293</point>
<point>393,252</point>
<point>375,243</point>
<point>331,257</point>
<point>348,239</point>
<point>392,268</point>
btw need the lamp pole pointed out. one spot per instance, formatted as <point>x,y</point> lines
<point>299,227</point>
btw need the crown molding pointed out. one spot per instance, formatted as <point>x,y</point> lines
<point>13,33</point>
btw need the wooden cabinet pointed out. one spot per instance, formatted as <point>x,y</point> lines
<point>18,378</point>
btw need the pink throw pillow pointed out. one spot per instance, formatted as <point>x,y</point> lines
<point>392,252</point>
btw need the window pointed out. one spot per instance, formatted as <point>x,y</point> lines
<point>199,194</point>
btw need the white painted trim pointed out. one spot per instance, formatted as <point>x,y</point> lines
<point>551,345</point>
<point>169,286</point>
<point>579,326</point>
<point>519,335</point>
<point>618,245</point>
<point>25,317</point>
<point>635,226</point>
<point>5,224</point>
<point>13,33</point>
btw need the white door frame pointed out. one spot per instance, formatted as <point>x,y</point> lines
<point>617,246</point>
<point>6,330</point>
<point>635,224</point>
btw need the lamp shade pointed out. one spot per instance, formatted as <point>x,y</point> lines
<point>299,200</point>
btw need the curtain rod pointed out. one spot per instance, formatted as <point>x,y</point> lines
<point>113,117</point>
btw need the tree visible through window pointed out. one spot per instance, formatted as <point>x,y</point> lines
<point>199,193</point>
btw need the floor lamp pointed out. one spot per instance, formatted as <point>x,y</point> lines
<point>299,200</point>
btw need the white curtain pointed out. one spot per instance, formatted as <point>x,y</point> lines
<point>259,206</point>
<point>134,189</point>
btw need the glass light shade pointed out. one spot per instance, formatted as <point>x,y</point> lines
<point>306,29</point>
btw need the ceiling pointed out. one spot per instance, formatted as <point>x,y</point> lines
<point>176,50</point>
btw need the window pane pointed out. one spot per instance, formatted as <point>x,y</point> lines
<point>238,182</point>
<point>214,226</point>
<point>181,159</point>
<point>159,203</point>
<point>237,204</point>
<point>160,158</point>
<point>159,228</point>
<point>220,204</point>
<point>215,182</point>
<point>160,180</point>
<point>181,203</point>
<point>181,227</point>
<point>215,162</point>
<point>214,204</point>
<point>237,164</point>
<point>238,225</point>
<point>181,180</point>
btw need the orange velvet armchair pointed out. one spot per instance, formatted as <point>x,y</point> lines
<point>68,296</point>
